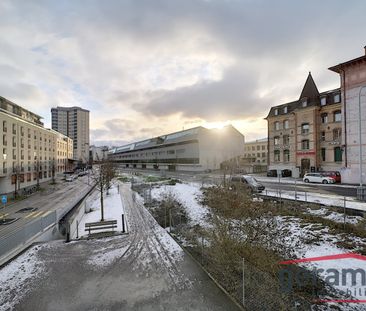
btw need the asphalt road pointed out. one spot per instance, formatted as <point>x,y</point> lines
<point>318,188</point>
<point>46,201</point>
<point>270,183</point>
<point>144,270</point>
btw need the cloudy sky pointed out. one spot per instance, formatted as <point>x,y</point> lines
<point>148,67</point>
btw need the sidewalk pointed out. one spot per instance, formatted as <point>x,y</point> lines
<point>298,181</point>
<point>325,199</point>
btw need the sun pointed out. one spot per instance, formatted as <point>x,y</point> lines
<point>215,125</point>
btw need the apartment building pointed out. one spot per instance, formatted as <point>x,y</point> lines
<point>73,122</point>
<point>257,151</point>
<point>305,135</point>
<point>64,151</point>
<point>353,88</point>
<point>29,152</point>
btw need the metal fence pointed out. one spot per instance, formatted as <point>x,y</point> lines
<point>21,236</point>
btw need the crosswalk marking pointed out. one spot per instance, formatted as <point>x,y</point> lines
<point>45,214</point>
<point>3,215</point>
<point>38,214</point>
<point>30,215</point>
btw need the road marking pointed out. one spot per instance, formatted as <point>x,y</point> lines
<point>37,214</point>
<point>30,214</point>
<point>45,214</point>
<point>3,215</point>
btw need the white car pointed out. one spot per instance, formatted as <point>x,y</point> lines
<point>318,178</point>
<point>71,178</point>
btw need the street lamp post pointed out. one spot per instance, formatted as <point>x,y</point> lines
<point>361,191</point>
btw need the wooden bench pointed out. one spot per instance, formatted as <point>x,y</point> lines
<point>101,225</point>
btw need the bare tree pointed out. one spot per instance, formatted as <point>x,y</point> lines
<point>103,176</point>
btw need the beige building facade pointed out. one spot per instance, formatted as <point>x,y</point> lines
<point>353,87</point>
<point>306,135</point>
<point>29,152</point>
<point>257,151</point>
<point>73,122</point>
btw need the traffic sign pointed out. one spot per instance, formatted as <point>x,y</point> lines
<point>4,199</point>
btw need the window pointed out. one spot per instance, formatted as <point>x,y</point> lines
<point>322,136</point>
<point>337,98</point>
<point>323,101</point>
<point>4,127</point>
<point>14,128</point>
<point>286,155</point>
<point>337,154</point>
<point>277,126</point>
<point>337,116</point>
<point>324,118</point>
<point>305,128</point>
<point>277,155</point>
<point>304,102</point>
<point>276,112</point>
<point>337,134</point>
<point>305,144</point>
<point>258,147</point>
<point>323,152</point>
<point>276,140</point>
<point>285,109</point>
<point>285,124</point>
<point>286,139</point>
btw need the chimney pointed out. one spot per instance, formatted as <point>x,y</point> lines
<point>365,49</point>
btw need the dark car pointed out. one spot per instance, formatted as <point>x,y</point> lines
<point>333,174</point>
<point>272,173</point>
<point>250,181</point>
<point>286,173</point>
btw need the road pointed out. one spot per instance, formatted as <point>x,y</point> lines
<point>271,183</point>
<point>45,202</point>
<point>145,270</point>
<point>318,188</point>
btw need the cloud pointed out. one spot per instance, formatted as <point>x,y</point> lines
<point>147,67</point>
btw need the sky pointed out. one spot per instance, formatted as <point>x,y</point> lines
<point>145,68</point>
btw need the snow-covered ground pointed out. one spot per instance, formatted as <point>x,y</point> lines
<point>325,199</point>
<point>16,276</point>
<point>315,241</point>
<point>113,210</point>
<point>188,195</point>
<point>308,240</point>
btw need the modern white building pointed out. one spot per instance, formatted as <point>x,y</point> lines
<point>195,149</point>
<point>30,153</point>
<point>74,123</point>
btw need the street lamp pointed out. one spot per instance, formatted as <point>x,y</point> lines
<point>361,191</point>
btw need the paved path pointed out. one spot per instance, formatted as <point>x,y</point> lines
<point>145,270</point>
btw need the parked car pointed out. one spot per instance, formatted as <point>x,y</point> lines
<point>272,173</point>
<point>318,178</point>
<point>286,173</point>
<point>71,178</point>
<point>334,174</point>
<point>250,181</point>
